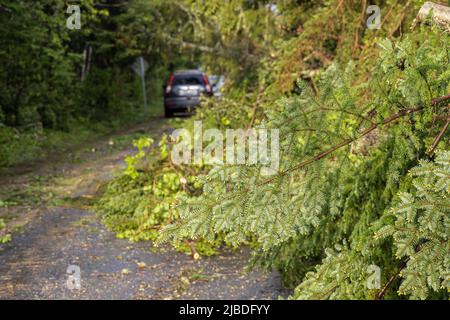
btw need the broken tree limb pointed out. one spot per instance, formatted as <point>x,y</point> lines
<point>439,137</point>
<point>439,14</point>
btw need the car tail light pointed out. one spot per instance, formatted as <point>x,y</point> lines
<point>169,84</point>
<point>207,85</point>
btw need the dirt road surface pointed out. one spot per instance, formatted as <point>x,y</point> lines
<point>61,250</point>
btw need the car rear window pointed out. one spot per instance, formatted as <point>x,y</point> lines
<point>187,80</point>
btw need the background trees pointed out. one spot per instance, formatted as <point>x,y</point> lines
<point>55,79</point>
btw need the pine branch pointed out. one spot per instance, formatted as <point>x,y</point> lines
<point>349,141</point>
<point>343,143</point>
<point>440,99</point>
<point>346,142</point>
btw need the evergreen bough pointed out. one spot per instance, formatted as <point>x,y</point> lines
<point>346,147</point>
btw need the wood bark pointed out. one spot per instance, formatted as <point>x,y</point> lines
<point>440,15</point>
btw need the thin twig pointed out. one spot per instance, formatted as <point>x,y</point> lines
<point>257,102</point>
<point>383,291</point>
<point>439,137</point>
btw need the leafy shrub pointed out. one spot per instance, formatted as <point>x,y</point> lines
<point>4,238</point>
<point>140,201</point>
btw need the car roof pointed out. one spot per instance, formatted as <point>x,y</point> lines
<point>180,72</point>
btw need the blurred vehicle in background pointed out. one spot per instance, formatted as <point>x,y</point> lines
<point>183,90</point>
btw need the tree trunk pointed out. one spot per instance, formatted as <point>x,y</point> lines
<point>440,15</point>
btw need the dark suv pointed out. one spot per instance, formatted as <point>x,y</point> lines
<point>183,89</point>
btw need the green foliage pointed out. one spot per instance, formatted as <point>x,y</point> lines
<point>4,238</point>
<point>48,79</point>
<point>138,203</point>
<point>36,143</point>
<point>420,229</point>
<point>319,203</point>
<point>131,161</point>
<point>356,111</point>
<point>38,82</point>
<point>335,277</point>
<point>15,147</point>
